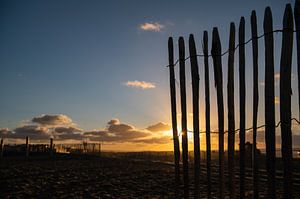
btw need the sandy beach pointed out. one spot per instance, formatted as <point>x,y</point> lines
<point>94,177</point>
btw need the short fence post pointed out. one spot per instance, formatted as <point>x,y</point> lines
<point>285,99</point>
<point>1,148</point>
<point>183,117</point>
<point>207,113</point>
<point>269,103</point>
<point>51,147</point>
<point>230,103</point>
<point>216,54</point>
<point>174,113</point>
<point>27,147</point>
<point>99,148</point>
<point>195,89</point>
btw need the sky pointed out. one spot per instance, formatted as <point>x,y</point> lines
<point>100,65</point>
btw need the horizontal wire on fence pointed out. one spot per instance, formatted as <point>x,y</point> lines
<point>237,46</point>
<point>236,130</point>
<point>224,53</point>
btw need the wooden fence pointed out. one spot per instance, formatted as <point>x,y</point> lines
<point>51,148</point>
<point>288,32</point>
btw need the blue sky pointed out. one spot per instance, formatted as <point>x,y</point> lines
<point>75,57</point>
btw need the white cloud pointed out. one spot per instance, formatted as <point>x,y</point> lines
<point>140,84</point>
<point>156,27</point>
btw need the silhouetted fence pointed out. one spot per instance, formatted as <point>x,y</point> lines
<point>270,125</point>
<point>41,148</point>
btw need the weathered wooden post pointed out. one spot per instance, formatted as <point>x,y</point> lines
<point>27,147</point>
<point>242,91</point>
<point>285,100</point>
<point>230,103</point>
<point>174,112</point>
<point>255,102</point>
<point>1,148</point>
<point>269,102</point>
<point>51,147</point>
<point>207,114</point>
<point>99,147</point>
<point>195,89</point>
<point>297,23</point>
<point>217,60</point>
<point>93,148</point>
<point>183,117</point>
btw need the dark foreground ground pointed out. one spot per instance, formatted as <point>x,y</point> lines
<point>94,177</point>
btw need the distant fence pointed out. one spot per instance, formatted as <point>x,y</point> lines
<point>270,125</point>
<point>34,148</point>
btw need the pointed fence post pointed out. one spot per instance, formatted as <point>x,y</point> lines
<point>230,103</point>
<point>195,89</point>
<point>285,100</point>
<point>217,60</point>
<point>27,147</point>
<point>269,102</point>
<point>242,91</point>
<point>207,114</point>
<point>174,112</point>
<point>255,103</point>
<point>183,117</point>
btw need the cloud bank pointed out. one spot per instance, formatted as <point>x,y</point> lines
<point>60,127</point>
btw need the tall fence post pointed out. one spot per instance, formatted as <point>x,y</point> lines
<point>217,60</point>
<point>174,113</point>
<point>230,103</point>
<point>285,99</point>
<point>27,147</point>
<point>1,148</point>
<point>195,89</point>
<point>269,103</point>
<point>297,23</point>
<point>207,114</point>
<point>242,91</point>
<point>183,117</point>
<point>255,103</point>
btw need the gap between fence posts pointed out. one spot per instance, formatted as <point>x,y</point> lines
<point>183,117</point>
<point>207,114</point>
<point>217,62</point>
<point>195,90</point>
<point>174,113</point>
<point>269,104</point>
<point>285,100</point>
